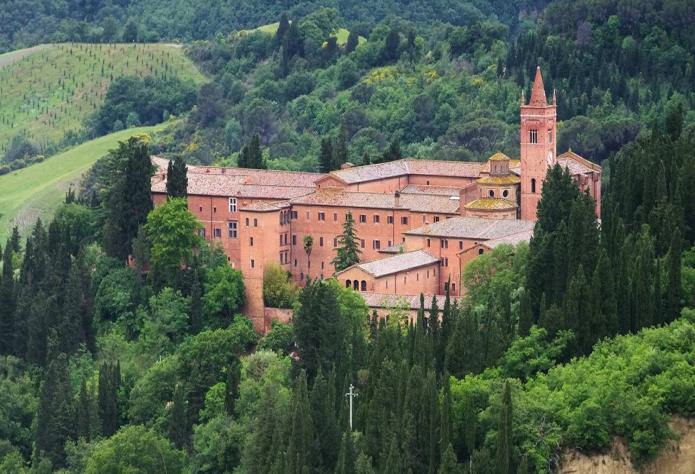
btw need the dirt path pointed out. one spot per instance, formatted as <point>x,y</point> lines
<point>14,56</point>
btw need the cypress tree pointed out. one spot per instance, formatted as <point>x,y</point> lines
<point>504,433</point>
<point>449,464</point>
<point>325,430</point>
<point>15,242</point>
<point>54,419</point>
<point>107,401</point>
<point>346,457</point>
<point>674,290</point>
<point>177,178</point>
<point>178,421</point>
<point>283,27</point>
<point>231,392</point>
<point>301,437</point>
<point>348,252</point>
<point>326,156</point>
<point>7,302</point>
<point>84,413</point>
<point>352,42</point>
<point>340,154</point>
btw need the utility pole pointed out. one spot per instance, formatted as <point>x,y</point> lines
<point>351,395</point>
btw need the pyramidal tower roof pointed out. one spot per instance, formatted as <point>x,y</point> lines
<point>538,91</point>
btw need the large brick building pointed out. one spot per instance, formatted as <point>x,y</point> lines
<point>418,221</point>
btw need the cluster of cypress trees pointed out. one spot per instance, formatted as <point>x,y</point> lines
<point>251,155</point>
<point>331,156</point>
<point>177,178</point>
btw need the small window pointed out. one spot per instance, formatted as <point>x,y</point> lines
<point>233,231</point>
<point>362,243</point>
<point>460,244</point>
<point>294,214</point>
<point>280,239</point>
<point>214,210</point>
<point>533,136</point>
<point>253,264</point>
<point>428,242</point>
<point>363,285</point>
<point>247,222</point>
<point>200,208</point>
<point>295,262</point>
<point>321,267</point>
<point>320,241</point>
<point>491,193</point>
<point>405,279</point>
<point>436,218</point>
<point>301,276</point>
<point>404,221</point>
<point>250,241</point>
<point>376,245</point>
<point>255,222</point>
<point>389,244</point>
<point>424,218</point>
<point>294,239</point>
<point>218,232</point>
<point>348,284</point>
<point>505,193</point>
<point>481,251</point>
<point>375,218</point>
<point>335,217</point>
<point>335,242</point>
<point>232,204</point>
<point>322,216</point>
<point>550,135</point>
<point>444,243</point>
<point>389,219</point>
<point>307,215</point>
<point>363,218</point>
<point>533,185</point>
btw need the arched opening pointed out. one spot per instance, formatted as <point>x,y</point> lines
<point>533,185</point>
<point>363,286</point>
<point>481,251</point>
<point>348,284</point>
<point>491,193</point>
<point>356,285</point>
<point>505,193</point>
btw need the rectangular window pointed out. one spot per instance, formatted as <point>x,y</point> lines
<point>376,245</point>
<point>436,218</point>
<point>389,219</point>
<point>335,242</point>
<point>550,135</point>
<point>363,218</point>
<point>294,240</point>
<point>389,243</point>
<point>375,218</point>
<point>335,217</point>
<point>362,243</point>
<point>295,262</point>
<point>218,232</point>
<point>247,222</point>
<point>294,214</point>
<point>320,241</point>
<point>255,222</point>
<point>233,231</point>
<point>280,239</point>
<point>444,243</point>
<point>307,215</point>
<point>214,210</point>
<point>533,136</point>
<point>428,242</point>
<point>321,267</point>
<point>322,216</point>
<point>250,241</point>
<point>404,221</point>
<point>200,208</point>
<point>424,218</point>
<point>253,264</point>
<point>232,204</point>
<point>460,244</point>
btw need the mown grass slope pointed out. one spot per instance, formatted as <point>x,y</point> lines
<point>36,191</point>
<point>49,90</point>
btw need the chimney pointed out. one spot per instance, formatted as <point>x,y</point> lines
<point>397,197</point>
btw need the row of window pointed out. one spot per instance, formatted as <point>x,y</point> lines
<point>533,135</point>
<point>505,193</point>
<point>444,243</point>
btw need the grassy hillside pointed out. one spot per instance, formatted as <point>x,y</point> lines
<point>49,90</point>
<point>341,34</point>
<point>37,191</point>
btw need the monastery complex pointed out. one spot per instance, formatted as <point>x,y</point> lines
<point>418,222</point>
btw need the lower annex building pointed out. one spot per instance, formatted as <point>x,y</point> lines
<point>418,222</point>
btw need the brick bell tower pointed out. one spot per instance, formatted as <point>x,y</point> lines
<point>538,145</point>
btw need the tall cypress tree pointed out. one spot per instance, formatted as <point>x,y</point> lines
<point>298,459</point>
<point>283,27</point>
<point>7,302</point>
<point>348,252</point>
<point>326,156</point>
<point>109,383</point>
<point>675,287</point>
<point>177,178</point>
<point>504,433</point>
<point>178,422</point>
<point>340,154</point>
<point>84,413</point>
<point>231,392</point>
<point>325,427</point>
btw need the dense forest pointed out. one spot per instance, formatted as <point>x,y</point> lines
<point>586,334</point>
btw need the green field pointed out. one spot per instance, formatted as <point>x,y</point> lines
<point>341,35</point>
<point>36,191</point>
<point>49,90</point>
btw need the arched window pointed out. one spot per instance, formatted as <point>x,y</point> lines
<point>356,285</point>
<point>533,185</point>
<point>505,193</point>
<point>491,193</point>
<point>481,251</point>
<point>363,286</point>
<point>348,284</point>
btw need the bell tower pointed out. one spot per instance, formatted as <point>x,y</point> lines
<point>538,145</point>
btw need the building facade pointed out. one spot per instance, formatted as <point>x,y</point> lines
<point>418,222</point>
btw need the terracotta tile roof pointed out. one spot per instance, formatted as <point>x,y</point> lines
<point>476,228</point>
<point>499,180</point>
<point>512,239</point>
<point>266,206</point>
<point>383,300</point>
<point>433,190</point>
<point>491,204</point>
<point>499,156</point>
<point>261,177</point>
<point>398,263</point>
<point>576,164</point>
<point>412,202</point>
<point>408,166</point>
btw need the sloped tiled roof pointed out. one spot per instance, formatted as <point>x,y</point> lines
<point>412,202</point>
<point>404,167</point>
<point>398,263</point>
<point>491,204</point>
<point>499,180</point>
<point>384,300</point>
<point>427,189</point>
<point>512,239</point>
<point>266,206</point>
<point>576,164</point>
<point>499,156</point>
<point>476,228</point>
